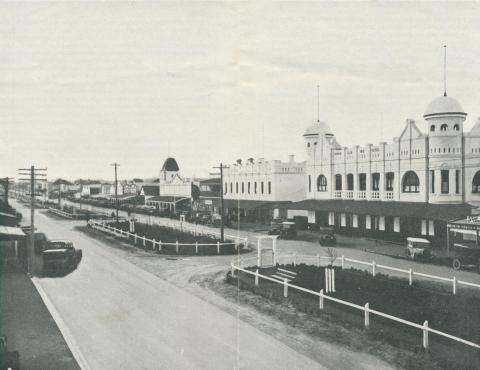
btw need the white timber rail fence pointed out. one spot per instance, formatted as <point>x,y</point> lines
<point>62,213</point>
<point>342,261</point>
<point>196,229</point>
<point>365,308</point>
<point>158,244</point>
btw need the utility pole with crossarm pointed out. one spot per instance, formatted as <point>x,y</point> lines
<point>222,210</point>
<point>35,174</point>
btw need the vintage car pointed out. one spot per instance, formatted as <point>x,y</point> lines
<point>327,236</point>
<point>8,359</point>
<point>285,229</point>
<point>60,256</point>
<point>418,249</point>
<point>465,255</point>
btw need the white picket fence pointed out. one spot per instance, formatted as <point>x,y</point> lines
<point>366,308</point>
<point>343,261</point>
<point>62,213</point>
<point>158,243</point>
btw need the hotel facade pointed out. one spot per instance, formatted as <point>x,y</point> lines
<point>408,187</point>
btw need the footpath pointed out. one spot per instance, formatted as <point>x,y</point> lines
<point>28,325</point>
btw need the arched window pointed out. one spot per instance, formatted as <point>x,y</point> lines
<point>338,182</point>
<point>443,127</point>
<point>321,183</point>
<point>456,127</point>
<point>432,128</point>
<point>410,183</point>
<point>476,183</point>
<point>350,181</point>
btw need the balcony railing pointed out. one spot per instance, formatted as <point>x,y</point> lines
<point>375,195</point>
<point>337,194</point>
<point>362,194</point>
<point>348,194</point>
<point>388,195</point>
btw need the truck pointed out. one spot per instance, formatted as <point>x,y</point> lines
<point>60,256</point>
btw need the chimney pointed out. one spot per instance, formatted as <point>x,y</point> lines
<point>291,158</point>
<point>239,162</point>
<point>250,160</point>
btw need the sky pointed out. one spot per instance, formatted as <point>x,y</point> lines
<point>83,85</point>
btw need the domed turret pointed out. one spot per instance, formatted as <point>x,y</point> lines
<point>444,106</point>
<point>318,128</point>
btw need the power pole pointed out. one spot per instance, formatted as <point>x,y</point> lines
<point>6,181</point>
<point>116,191</point>
<point>33,174</point>
<point>222,209</point>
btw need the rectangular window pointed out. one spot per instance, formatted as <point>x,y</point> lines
<point>431,228</point>
<point>396,224</point>
<point>343,220</point>
<point>375,181</point>
<point>389,181</point>
<point>269,187</point>
<point>231,187</point>
<point>432,181</point>
<point>236,187</point>
<point>362,179</point>
<point>331,218</point>
<point>338,182</point>
<point>255,187</point>
<point>248,187</point>
<point>355,221</point>
<point>243,188</point>
<point>368,222</point>
<point>444,179</point>
<point>309,183</point>
<point>225,188</point>
<point>457,181</point>
<point>424,227</point>
<point>381,223</point>
<point>261,187</point>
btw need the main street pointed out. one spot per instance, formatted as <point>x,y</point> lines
<point>119,316</point>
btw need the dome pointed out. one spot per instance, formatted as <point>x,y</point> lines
<point>318,128</point>
<point>444,105</point>
<point>170,164</point>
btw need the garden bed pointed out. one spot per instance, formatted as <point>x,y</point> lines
<point>169,237</point>
<point>456,315</point>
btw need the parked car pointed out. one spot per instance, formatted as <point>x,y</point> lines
<point>8,359</point>
<point>465,254</point>
<point>285,230</point>
<point>418,249</point>
<point>60,256</point>
<point>327,236</point>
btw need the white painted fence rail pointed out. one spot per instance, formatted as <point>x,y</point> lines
<point>125,234</point>
<point>296,259</point>
<point>366,309</point>
<point>62,213</point>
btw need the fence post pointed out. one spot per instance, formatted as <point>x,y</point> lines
<point>343,262</point>
<point>374,268</point>
<point>318,260</point>
<point>144,241</point>
<point>159,245</point>
<point>410,277</point>
<point>241,262</point>
<point>135,239</point>
<point>333,280</point>
<point>285,288</point>
<point>176,246</point>
<point>233,270</point>
<point>218,247</point>
<point>367,315</point>
<point>295,260</point>
<point>454,285</point>
<point>425,334</point>
<point>256,277</point>
<point>153,244</point>
<point>327,283</point>
<point>321,299</point>
<point>236,243</point>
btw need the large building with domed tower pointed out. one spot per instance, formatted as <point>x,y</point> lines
<point>412,186</point>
